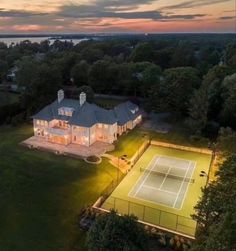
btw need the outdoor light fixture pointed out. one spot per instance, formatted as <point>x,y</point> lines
<point>203,174</point>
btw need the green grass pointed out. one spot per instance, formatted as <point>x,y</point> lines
<point>159,214</point>
<point>129,143</point>
<point>41,195</point>
<point>179,136</point>
<point>8,98</point>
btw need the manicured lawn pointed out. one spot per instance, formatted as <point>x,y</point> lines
<point>179,136</point>
<point>41,195</point>
<point>129,143</point>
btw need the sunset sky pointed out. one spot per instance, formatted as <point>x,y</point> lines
<point>65,16</point>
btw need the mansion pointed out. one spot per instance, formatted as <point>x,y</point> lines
<point>67,121</point>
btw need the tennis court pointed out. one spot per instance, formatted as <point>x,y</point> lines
<point>165,181</point>
<point>162,188</point>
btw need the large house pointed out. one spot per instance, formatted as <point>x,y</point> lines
<point>68,121</point>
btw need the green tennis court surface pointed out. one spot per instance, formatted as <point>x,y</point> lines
<point>162,188</point>
<point>165,181</point>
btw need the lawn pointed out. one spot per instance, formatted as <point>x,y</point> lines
<point>129,143</point>
<point>177,219</point>
<point>41,195</point>
<point>8,98</point>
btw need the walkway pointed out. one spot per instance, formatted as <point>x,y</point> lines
<point>119,163</point>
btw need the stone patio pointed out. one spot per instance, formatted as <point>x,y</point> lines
<point>74,150</point>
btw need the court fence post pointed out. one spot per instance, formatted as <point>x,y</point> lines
<point>128,207</point>
<point>160,218</point>
<point>144,207</point>
<point>177,221</point>
<point>114,203</point>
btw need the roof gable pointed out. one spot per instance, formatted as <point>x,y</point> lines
<point>88,114</point>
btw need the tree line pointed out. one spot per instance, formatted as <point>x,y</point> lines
<point>192,79</point>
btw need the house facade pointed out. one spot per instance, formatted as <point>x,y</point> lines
<point>67,121</point>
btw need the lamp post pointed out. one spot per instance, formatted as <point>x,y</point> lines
<point>204,174</point>
<point>118,168</point>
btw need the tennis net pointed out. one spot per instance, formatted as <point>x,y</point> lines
<point>172,176</point>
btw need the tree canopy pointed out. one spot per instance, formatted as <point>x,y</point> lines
<point>216,214</point>
<point>112,232</point>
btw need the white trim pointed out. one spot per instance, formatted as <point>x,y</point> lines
<point>185,176</point>
<point>141,176</point>
<point>186,190</point>
<point>165,177</point>
<point>156,161</point>
<point>157,189</point>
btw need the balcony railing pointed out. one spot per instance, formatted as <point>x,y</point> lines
<point>58,131</point>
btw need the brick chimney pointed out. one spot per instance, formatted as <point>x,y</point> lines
<point>82,98</point>
<point>60,95</point>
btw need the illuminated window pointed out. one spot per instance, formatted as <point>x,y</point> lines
<point>68,111</point>
<point>105,126</point>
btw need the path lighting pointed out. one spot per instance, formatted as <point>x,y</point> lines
<point>120,157</point>
<point>204,174</point>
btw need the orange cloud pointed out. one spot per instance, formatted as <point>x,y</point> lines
<point>30,27</point>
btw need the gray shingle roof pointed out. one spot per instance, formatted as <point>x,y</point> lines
<point>89,114</point>
<point>126,112</point>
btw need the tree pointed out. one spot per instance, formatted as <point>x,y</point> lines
<point>183,55</point>
<point>102,76</point>
<point>198,110</point>
<point>213,80</point>
<point>144,75</point>
<point>113,232</point>
<point>64,62</point>
<point>227,140</point>
<point>27,68</point>
<point>177,87</point>
<point>215,212</point>
<point>79,73</point>
<point>228,112</point>
<point>143,52</point>
<point>150,76</point>
<point>3,69</point>
<point>44,84</point>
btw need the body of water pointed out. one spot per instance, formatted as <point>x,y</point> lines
<point>16,40</point>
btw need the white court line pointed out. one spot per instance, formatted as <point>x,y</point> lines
<point>165,178</point>
<point>194,167</point>
<point>157,189</point>
<point>177,167</point>
<point>185,176</point>
<point>141,176</point>
<point>170,157</point>
<point>144,180</point>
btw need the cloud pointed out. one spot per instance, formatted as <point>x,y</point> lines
<point>120,4</point>
<point>19,13</point>
<point>227,17</point>
<point>90,11</point>
<point>194,3</point>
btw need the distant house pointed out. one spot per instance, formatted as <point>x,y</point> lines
<point>67,121</point>
<point>11,75</point>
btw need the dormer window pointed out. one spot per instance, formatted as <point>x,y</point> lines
<point>134,110</point>
<point>66,111</point>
